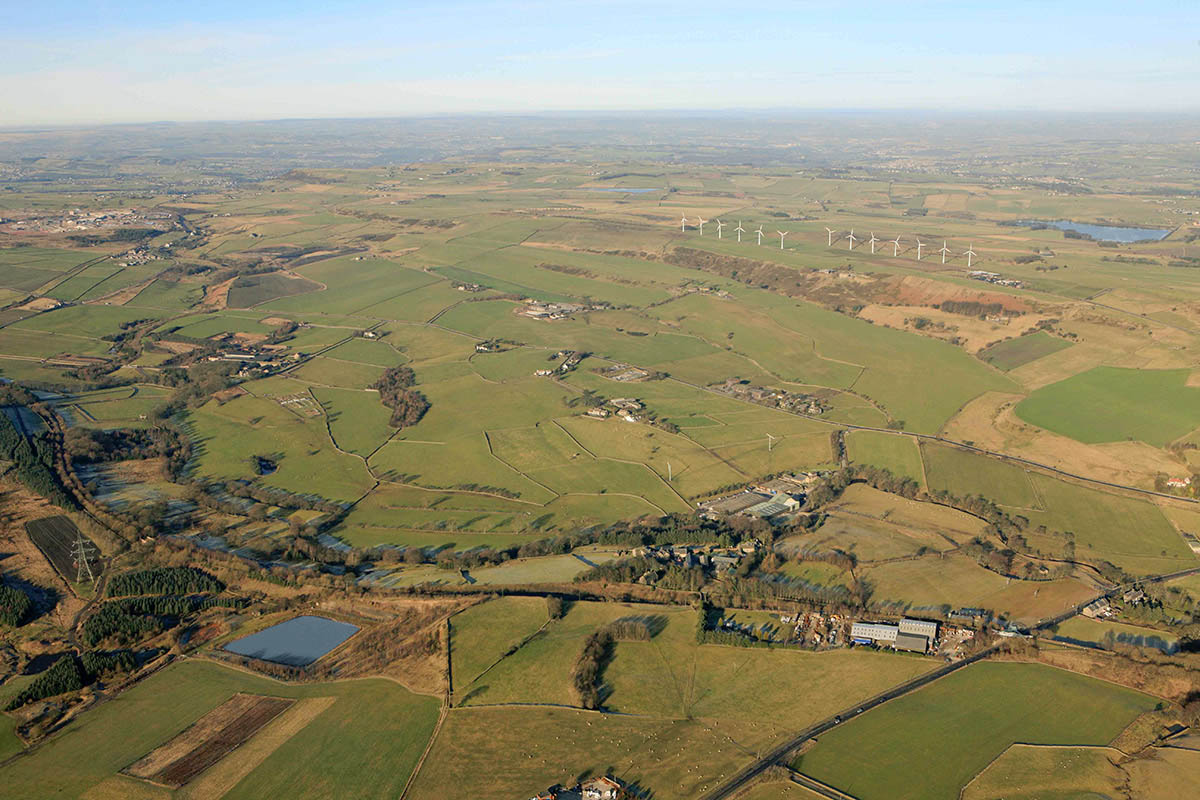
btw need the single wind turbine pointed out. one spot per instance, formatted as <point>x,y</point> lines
<point>920,244</point>
<point>781,235</point>
<point>683,225</point>
<point>739,230</point>
<point>970,254</point>
<point>760,235</point>
<point>700,221</point>
<point>829,231</point>
<point>873,240</point>
<point>895,247</point>
<point>944,251</point>
<point>719,226</point>
<point>852,238</point>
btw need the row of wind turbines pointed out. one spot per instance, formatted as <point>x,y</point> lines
<point>850,237</point>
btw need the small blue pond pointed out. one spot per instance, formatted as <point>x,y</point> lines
<point>297,642</point>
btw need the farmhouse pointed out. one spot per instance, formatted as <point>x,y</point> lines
<point>597,412</point>
<point>1098,608</point>
<point>602,788</point>
<point>1179,483</point>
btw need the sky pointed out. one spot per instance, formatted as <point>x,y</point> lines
<point>67,62</point>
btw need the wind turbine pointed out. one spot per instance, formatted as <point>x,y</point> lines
<point>781,235</point>
<point>700,221</point>
<point>760,235</point>
<point>873,240</point>
<point>852,238</point>
<point>683,225</point>
<point>719,226</point>
<point>771,442</point>
<point>920,244</point>
<point>970,254</point>
<point>740,230</point>
<point>830,232</point>
<point>944,251</point>
<point>895,247</point>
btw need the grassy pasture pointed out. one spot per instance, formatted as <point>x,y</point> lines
<point>957,581</point>
<point>900,454</point>
<point>519,363</point>
<point>1013,353</point>
<point>365,351</point>
<point>167,295</point>
<point>930,743</point>
<point>482,634</point>
<point>897,364</point>
<point>1133,534</point>
<point>417,305</point>
<point>351,285</point>
<point>671,676</point>
<point>676,759</point>
<point>964,473</point>
<point>88,321</point>
<point>456,463</point>
<point>327,371</point>
<point>367,742</point>
<point>225,436</point>
<point>875,525</point>
<point>1109,404</point>
<point>253,290</point>
<point>1094,631</point>
<point>1026,772</point>
<point>202,327</point>
<point>695,470</point>
<point>358,422</point>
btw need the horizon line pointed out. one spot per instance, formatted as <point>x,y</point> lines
<point>599,112</point>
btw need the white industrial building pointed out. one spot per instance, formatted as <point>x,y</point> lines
<point>911,634</point>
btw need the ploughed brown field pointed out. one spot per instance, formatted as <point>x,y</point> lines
<point>208,740</point>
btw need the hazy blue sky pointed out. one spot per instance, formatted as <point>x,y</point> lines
<point>98,61</point>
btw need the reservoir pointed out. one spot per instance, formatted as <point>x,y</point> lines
<point>1102,233</point>
<point>297,642</point>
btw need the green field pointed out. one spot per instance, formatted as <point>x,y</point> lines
<point>1107,404</point>
<point>369,738</point>
<point>900,454</point>
<point>928,744</point>
<point>253,290</point>
<point>963,473</point>
<point>1133,534</point>
<point>1097,632</point>
<point>483,634</point>
<point>1013,353</point>
<point>1025,772</point>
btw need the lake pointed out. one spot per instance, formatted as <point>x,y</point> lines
<point>1102,233</point>
<point>297,642</point>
